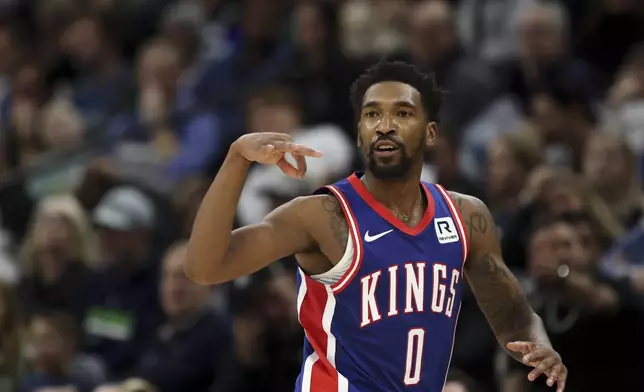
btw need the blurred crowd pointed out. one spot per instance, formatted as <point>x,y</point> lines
<point>115,115</point>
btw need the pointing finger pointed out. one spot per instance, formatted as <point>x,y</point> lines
<point>296,148</point>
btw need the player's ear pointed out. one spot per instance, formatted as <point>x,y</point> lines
<point>430,133</point>
<point>358,138</point>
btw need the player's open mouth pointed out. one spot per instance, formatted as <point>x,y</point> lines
<point>385,148</point>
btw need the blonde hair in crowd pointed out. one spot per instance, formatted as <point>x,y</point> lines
<point>67,207</point>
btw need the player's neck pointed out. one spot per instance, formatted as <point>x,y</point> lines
<point>397,195</point>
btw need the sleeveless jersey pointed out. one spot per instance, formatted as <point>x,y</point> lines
<point>388,323</point>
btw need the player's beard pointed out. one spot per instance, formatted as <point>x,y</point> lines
<point>398,171</point>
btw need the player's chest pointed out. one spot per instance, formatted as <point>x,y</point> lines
<point>405,275</point>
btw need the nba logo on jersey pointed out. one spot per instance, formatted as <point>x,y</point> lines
<point>445,230</point>
<point>383,318</point>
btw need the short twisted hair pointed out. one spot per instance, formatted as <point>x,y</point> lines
<point>397,71</point>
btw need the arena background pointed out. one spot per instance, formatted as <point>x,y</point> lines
<point>115,114</point>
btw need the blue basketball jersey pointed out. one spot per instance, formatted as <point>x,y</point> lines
<point>388,324</point>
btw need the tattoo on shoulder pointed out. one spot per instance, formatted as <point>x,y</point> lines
<point>336,218</point>
<point>475,215</point>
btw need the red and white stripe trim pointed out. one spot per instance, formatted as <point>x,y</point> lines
<point>316,308</point>
<point>458,218</point>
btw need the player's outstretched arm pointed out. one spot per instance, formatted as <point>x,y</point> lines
<point>516,326</point>
<point>217,254</point>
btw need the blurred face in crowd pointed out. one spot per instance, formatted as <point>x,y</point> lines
<point>559,198</point>
<point>605,164</point>
<point>590,243</point>
<point>432,34</point>
<point>310,29</point>
<point>159,65</point>
<point>550,118</point>
<point>259,21</point>
<point>62,126</point>
<point>280,118</point>
<point>83,41</point>
<point>50,349</point>
<point>278,302</point>
<point>179,295</point>
<point>555,245</point>
<point>121,247</point>
<point>541,36</point>
<point>53,239</point>
<point>394,131</point>
<point>28,84</point>
<point>504,171</point>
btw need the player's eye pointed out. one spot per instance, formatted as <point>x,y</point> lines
<point>371,113</point>
<point>404,113</point>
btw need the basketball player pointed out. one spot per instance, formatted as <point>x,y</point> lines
<point>382,256</point>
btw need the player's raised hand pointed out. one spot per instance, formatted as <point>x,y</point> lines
<point>271,149</point>
<point>545,360</point>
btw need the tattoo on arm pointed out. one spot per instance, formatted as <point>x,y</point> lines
<point>336,218</point>
<point>501,298</point>
<point>497,291</point>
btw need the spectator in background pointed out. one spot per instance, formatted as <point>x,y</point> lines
<point>610,28</point>
<point>22,142</point>
<point>52,352</point>
<point>552,192</point>
<point>442,167</point>
<point>488,29</point>
<point>124,303</point>
<point>625,114</point>
<point>161,144</point>
<point>579,304</point>
<point>188,351</point>
<point>435,46</point>
<point>215,40</point>
<point>544,46</point>
<point>511,158</point>
<point>63,128</point>
<point>268,337</point>
<point>10,339</point>
<point>57,258</point>
<point>563,119</point>
<point>372,29</point>
<point>277,110</point>
<point>259,57</point>
<point>319,72</point>
<point>611,168</point>
<point>92,43</point>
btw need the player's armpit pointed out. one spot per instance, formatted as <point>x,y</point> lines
<point>497,291</point>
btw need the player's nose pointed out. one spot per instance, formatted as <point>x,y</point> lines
<point>386,125</point>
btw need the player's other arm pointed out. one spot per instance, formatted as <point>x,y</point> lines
<point>218,254</point>
<point>517,327</point>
